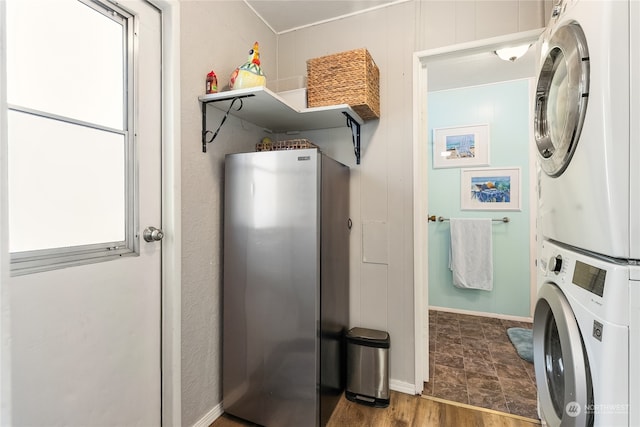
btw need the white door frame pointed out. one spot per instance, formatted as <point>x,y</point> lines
<point>171,218</point>
<point>5,362</point>
<point>420,167</point>
<point>420,235</point>
<point>171,208</point>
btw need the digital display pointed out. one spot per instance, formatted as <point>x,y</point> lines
<point>589,278</point>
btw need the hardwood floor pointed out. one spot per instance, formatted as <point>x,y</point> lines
<point>409,411</point>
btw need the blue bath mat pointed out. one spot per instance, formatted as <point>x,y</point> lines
<point>522,340</point>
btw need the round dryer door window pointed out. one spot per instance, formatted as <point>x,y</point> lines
<point>561,98</point>
<point>563,376</point>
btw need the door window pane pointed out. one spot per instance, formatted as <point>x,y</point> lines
<point>72,195</point>
<point>67,185</point>
<point>67,59</point>
<point>554,365</point>
<point>558,105</point>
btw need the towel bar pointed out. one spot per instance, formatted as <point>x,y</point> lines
<point>441,219</point>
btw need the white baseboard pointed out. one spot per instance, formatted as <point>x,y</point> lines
<point>482,314</point>
<point>210,416</point>
<point>402,387</point>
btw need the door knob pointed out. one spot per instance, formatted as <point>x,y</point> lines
<point>152,234</point>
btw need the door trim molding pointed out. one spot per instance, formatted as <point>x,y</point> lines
<point>5,331</point>
<point>171,390</point>
<point>420,239</point>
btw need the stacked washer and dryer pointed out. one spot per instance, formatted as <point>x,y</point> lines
<point>587,130</point>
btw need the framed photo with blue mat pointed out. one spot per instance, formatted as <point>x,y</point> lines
<point>461,146</point>
<point>490,189</point>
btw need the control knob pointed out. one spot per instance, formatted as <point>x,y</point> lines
<point>555,264</point>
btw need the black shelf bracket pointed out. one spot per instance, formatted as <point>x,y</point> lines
<point>236,103</point>
<point>204,117</point>
<point>355,135</point>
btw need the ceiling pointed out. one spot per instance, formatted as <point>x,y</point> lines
<point>286,15</point>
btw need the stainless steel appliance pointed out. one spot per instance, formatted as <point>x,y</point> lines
<point>286,294</point>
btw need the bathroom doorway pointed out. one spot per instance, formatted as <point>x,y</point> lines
<point>447,71</point>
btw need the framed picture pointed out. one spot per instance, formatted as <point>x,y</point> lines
<point>494,189</point>
<point>461,146</point>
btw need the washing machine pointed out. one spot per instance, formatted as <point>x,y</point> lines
<point>586,127</point>
<point>585,333</point>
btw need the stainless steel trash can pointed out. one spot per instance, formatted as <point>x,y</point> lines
<point>368,367</point>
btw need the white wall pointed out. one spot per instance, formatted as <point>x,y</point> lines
<point>444,23</point>
<point>381,194</point>
<point>381,187</point>
<point>215,35</point>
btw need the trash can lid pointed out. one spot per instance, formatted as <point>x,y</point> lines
<point>368,334</point>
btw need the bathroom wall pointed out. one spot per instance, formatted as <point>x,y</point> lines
<point>505,107</point>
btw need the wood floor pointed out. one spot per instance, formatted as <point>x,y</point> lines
<point>409,411</point>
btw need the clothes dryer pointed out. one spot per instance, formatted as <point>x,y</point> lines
<point>585,333</point>
<point>586,125</point>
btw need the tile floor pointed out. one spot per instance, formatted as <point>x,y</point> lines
<point>472,361</point>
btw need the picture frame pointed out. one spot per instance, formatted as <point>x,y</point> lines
<point>461,146</point>
<point>490,189</point>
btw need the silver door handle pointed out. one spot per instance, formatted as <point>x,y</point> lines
<point>152,234</point>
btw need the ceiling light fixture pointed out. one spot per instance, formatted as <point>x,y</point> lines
<point>512,53</point>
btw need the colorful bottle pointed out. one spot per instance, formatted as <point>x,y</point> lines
<point>212,82</point>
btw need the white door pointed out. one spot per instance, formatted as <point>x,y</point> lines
<point>86,339</point>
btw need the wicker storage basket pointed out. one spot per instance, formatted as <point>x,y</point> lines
<point>290,144</point>
<point>345,78</point>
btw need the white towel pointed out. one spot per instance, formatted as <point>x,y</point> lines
<point>471,253</point>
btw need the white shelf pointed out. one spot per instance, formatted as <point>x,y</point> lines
<point>266,109</point>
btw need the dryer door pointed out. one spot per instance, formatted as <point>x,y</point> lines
<point>561,97</point>
<point>563,377</point>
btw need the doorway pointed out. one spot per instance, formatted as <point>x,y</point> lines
<point>443,69</point>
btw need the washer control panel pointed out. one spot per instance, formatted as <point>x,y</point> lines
<point>589,277</point>
<point>600,285</point>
